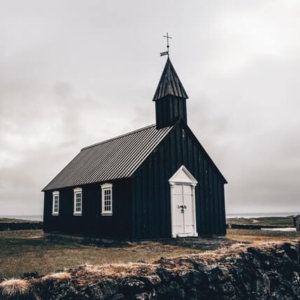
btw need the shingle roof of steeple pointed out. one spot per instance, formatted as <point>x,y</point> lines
<point>169,84</point>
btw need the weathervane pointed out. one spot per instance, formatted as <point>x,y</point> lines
<point>168,46</point>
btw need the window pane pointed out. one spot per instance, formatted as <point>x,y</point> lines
<point>55,203</point>
<point>107,205</point>
<point>78,202</point>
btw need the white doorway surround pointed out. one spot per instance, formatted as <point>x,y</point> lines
<point>183,208</point>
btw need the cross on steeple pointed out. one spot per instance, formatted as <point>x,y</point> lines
<point>167,37</point>
<point>168,46</point>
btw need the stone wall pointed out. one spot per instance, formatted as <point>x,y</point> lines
<point>265,271</point>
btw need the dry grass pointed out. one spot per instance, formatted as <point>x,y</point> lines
<point>253,236</point>
<point>87,274</point>
<point>14,287</point>
<point>27,251</point>
<point>10,220</point>
<point>120,270</point>
<point>58,276</point>
<point>264,221</point>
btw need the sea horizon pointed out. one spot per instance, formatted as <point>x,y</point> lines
<point>24,217</point>
<point>39,217</point>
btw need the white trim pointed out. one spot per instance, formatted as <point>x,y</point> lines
<point>54,194</point>
<point>105,187</point>
<point>172,210</point>
<point>77,190</point>
<point>190,180</point>
<point>174,179</point>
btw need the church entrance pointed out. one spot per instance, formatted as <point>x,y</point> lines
<point>183,209</point>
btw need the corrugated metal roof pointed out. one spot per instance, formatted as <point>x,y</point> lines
<point>169,84</point>
<point>111,159</point>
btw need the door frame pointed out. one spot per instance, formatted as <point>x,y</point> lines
<point>190,180</point>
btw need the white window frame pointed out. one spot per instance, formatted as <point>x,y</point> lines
<point>76,192</point>
<point>54,195</point>
<point>106,187</point>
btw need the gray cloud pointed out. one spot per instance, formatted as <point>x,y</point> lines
<point>72,74</point>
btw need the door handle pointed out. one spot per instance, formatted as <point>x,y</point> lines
<point>182,207</point>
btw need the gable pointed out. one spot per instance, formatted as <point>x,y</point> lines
<point>194,138</point>
<point>112,159</point>
<point>178,151</point>
<point>183,175</point>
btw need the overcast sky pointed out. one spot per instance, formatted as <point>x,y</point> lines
<point>73,73</point>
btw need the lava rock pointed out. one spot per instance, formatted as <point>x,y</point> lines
<point>132,285</point>
<point>218,274</point>
<point>28,275</point>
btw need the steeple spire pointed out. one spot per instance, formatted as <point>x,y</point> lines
<point>170,98</point>
<point>169,84</point>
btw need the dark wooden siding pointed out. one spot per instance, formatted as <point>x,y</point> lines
<point>91,222</point>
<point>168,110</point>
<point>151,190</point>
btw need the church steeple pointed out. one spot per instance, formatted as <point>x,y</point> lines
<point>170,98</point>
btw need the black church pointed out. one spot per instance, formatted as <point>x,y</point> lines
<point>154,182</point>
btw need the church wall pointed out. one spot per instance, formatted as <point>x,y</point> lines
<point>91,222</point>
<point>169,109</point>
<point>151,189</point>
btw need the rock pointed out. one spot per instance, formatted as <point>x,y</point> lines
<point>218,274</point>
<point>109,287</point>
<point>151,280</point>
<point>94,291</point>
<point>185,277</point>
<point>201,266</point>
<point>226,289</point>
<point>192,294</point>
<point>262,288</point>
<point>199,278</point>
<point>132,286</point>
<point>165,275</point>
<point>291,251</point>
<point>29,275</point>
<point>117,296</point>
<point>255,273</point>
<point>146,295</point>
<point>170,291</point>
<point>27,296</point>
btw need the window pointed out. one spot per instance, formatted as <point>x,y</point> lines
<point>107,205</point>
<point>55,203</point>
<point>77,202</point>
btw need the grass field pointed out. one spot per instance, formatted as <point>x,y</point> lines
<point>263,221</point>
<point>9,220</point>
<point>28,251</point>
<point>253,235</point>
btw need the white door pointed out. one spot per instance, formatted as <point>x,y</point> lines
<point>188,210</point>
<point>178,220</point>
<point>183,214</point>
<point>183,221</point>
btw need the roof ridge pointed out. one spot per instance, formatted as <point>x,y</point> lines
<point>117,137</point>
